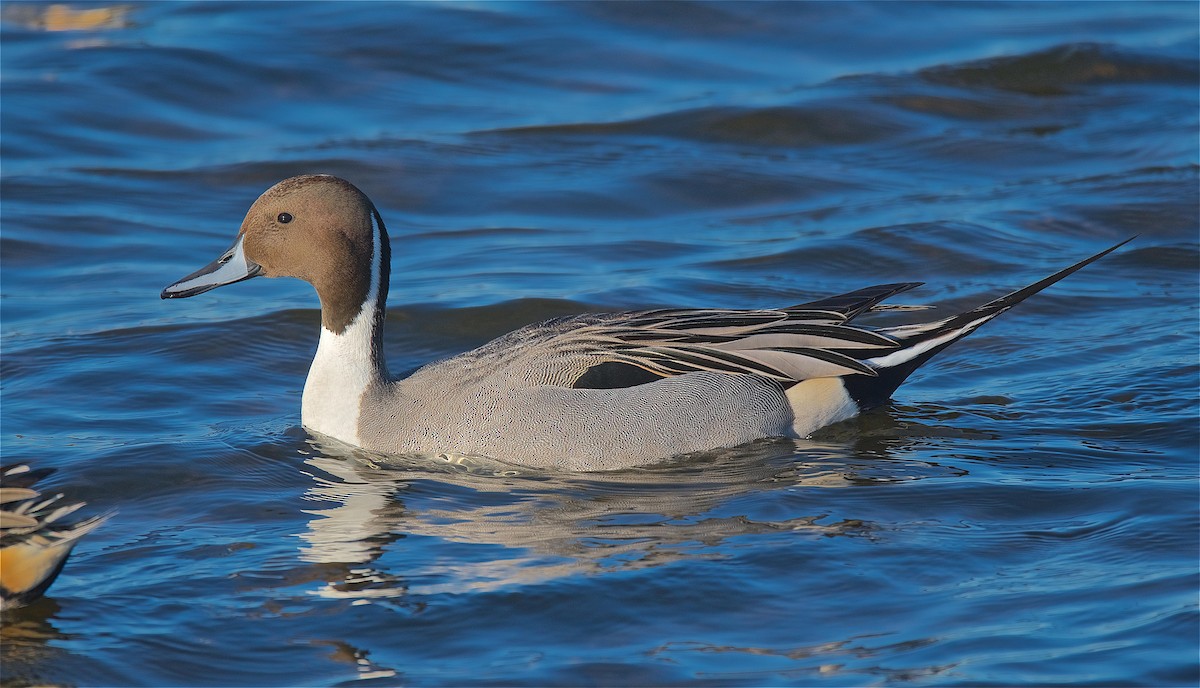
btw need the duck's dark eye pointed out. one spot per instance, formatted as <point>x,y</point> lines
<point>284,218</point>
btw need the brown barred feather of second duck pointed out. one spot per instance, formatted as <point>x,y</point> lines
<point>34,545</point>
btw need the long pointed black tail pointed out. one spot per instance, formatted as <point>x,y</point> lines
<point>922,342</point>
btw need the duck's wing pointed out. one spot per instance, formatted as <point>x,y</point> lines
<point>789,345</point>
<point>786,345</point>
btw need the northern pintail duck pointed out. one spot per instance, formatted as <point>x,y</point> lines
<point>587,392</point>
<point>34,545</point>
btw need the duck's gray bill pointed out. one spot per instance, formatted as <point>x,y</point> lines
<point>232,266</point>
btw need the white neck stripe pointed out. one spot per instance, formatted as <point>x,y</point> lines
<point>346,364</point>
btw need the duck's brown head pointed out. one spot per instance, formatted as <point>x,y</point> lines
<point>318,228</point>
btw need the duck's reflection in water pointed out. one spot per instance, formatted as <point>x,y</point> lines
<point>30,643</point>
<point>529,526</point>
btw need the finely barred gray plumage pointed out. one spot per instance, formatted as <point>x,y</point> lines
<point>587,392</point>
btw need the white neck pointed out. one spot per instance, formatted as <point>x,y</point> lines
<point>345,365</point>
<point>341,371</point>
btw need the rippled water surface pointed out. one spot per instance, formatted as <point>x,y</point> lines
<point>1025,512</point>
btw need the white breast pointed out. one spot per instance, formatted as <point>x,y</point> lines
<point>337,379</point>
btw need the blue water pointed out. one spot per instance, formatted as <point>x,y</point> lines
<point>1024,513</point>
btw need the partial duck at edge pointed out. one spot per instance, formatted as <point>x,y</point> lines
<point>595,391</point>
<point>34,541</point>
